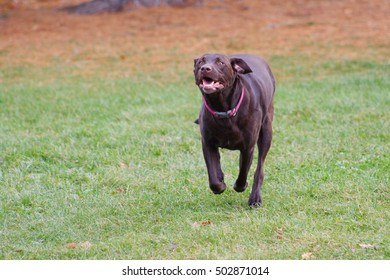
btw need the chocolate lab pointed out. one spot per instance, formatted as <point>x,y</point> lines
<point>236,113</point>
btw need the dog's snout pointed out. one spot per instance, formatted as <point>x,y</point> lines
<point>206,68</point>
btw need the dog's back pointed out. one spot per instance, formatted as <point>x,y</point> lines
<point>259,66</point>
<point>261,80</point>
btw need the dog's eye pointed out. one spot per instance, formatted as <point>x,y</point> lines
<point>220,63</point>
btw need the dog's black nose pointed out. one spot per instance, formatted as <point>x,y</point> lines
<point>206,68</point>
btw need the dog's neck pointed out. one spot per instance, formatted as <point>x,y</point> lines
<point>226,99</point>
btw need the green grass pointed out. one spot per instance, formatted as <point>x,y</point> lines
<point>118,163</point>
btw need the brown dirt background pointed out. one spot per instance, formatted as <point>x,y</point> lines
<point>166,39</point>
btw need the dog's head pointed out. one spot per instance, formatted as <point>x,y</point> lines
<point>216,72</point>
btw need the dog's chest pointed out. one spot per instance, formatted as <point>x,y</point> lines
<point>228,137</point>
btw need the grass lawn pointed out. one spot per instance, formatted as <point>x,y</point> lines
<point>101,167</point>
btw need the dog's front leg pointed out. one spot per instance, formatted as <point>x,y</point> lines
<point>246,157</point>
<point>212,159</point>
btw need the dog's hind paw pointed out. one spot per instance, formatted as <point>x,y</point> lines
<point>254,202</point>
<point>254,205</point>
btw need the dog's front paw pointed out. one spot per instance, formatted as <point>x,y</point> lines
<point>240,188</point>
<point>218,188</point>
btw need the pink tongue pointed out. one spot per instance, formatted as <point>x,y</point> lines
<point>211,85</point>
<point>207,84</point>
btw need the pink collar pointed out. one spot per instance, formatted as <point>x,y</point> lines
<point>228,114</point>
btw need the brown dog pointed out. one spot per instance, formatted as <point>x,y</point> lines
<point>236,113</point>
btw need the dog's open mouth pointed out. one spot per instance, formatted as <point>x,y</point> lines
<point>208,85</point>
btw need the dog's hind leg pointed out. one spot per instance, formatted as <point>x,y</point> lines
<point>263,144</point>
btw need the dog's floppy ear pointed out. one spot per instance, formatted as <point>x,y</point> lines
<point>240,66</point>
<point>195,61</point>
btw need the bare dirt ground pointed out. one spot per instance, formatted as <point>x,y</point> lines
<point>35,32</point>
